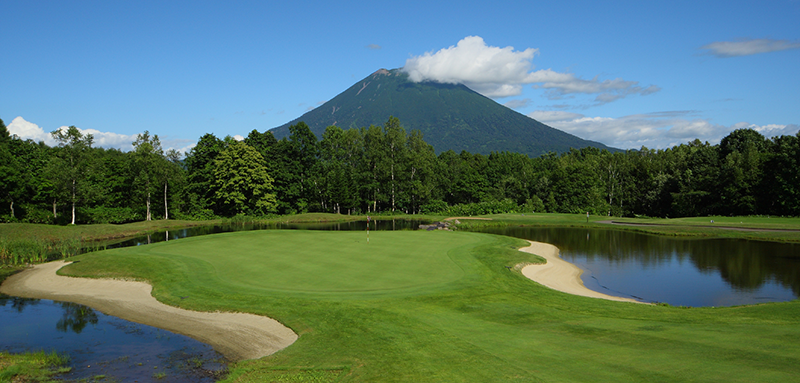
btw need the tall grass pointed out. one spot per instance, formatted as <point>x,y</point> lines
<point>36,250</point>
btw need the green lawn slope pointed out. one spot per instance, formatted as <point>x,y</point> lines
<point>444,307</point>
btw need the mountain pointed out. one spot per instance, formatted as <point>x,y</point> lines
<point>449,116</point>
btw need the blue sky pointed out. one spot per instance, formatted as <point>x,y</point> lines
<point>625,73</point>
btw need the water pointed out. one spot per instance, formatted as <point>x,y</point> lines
<point>681,272</point>
<point>99,344</point>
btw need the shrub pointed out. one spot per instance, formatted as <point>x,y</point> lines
<point>102,214</point>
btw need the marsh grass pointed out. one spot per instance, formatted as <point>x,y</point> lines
<point>22,251</point>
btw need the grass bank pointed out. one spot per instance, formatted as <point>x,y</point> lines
<point>777,229</point>
<point>31,366</point>
<point>25,243</point>
<point>443,307</point>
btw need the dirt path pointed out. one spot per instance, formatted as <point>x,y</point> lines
<point>559,274</point>
<point>238,336</point>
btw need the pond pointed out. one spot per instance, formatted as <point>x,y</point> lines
<point>681,272</point>
<point>103,345</point>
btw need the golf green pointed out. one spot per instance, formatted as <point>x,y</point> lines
<point>324,262</point>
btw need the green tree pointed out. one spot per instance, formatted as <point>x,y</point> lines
<point>148,167</point>
<point>171,172</point>
<point>199,164</point>
<point>696,167</point>
<point>337,169</point>
<point>741,154</point>
<point>241,180</point>
<point>395,159</point>
<point>781,180</point>
<point>10,178</point>
<point>72,162</point>
<point>422,176</point>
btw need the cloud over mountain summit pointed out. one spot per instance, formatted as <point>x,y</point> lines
<point>502,72</point>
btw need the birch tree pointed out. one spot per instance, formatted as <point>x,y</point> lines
<point>72,161</point>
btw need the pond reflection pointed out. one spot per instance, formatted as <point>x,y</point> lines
<point>75,317</point>
<point>688,272</point>
<point>100,344</point>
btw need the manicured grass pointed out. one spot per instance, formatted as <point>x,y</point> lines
<point>449,311</point>
<point>23,243</point>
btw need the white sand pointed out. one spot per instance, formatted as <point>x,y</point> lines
<point>559,274</point>
<point>238,336</point>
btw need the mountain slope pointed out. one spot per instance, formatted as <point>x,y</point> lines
<point>449,116</point>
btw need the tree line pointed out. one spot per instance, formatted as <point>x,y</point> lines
<point>384,169</point>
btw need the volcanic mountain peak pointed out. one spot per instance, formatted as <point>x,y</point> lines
<point>450,117</point>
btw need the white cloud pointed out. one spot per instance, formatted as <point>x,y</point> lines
<point>491,71</point>
<point>654,130</point>
<point>238,137</point>
<point>28,130</point>
<point>747,47</point>
<point>516,104</point>
<point>109,139</point>
<point>502,72</point>
<point>770,130</point>
<point>373,46</point>
<point>553,115</point>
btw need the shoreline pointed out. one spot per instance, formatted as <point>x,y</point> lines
<point>561,275</point>
<point>238,336</point>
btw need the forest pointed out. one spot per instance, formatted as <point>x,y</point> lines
<point>386,170</point>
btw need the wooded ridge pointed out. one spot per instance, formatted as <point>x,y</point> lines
<point>378,169</point>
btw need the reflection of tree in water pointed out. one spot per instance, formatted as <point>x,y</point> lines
<point>743,264</point>
<point>749,264</point>
<point>75,317</point>
<point>17,303</point>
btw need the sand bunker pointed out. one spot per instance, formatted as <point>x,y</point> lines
<point>238,336</point>
<point>559,274</point>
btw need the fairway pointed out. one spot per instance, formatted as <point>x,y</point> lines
<point>323,262</point>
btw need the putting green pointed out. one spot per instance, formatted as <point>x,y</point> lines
<point>325,261</point>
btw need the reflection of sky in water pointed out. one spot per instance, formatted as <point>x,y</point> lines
<point>674,280</point>
<point>113,347</point>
